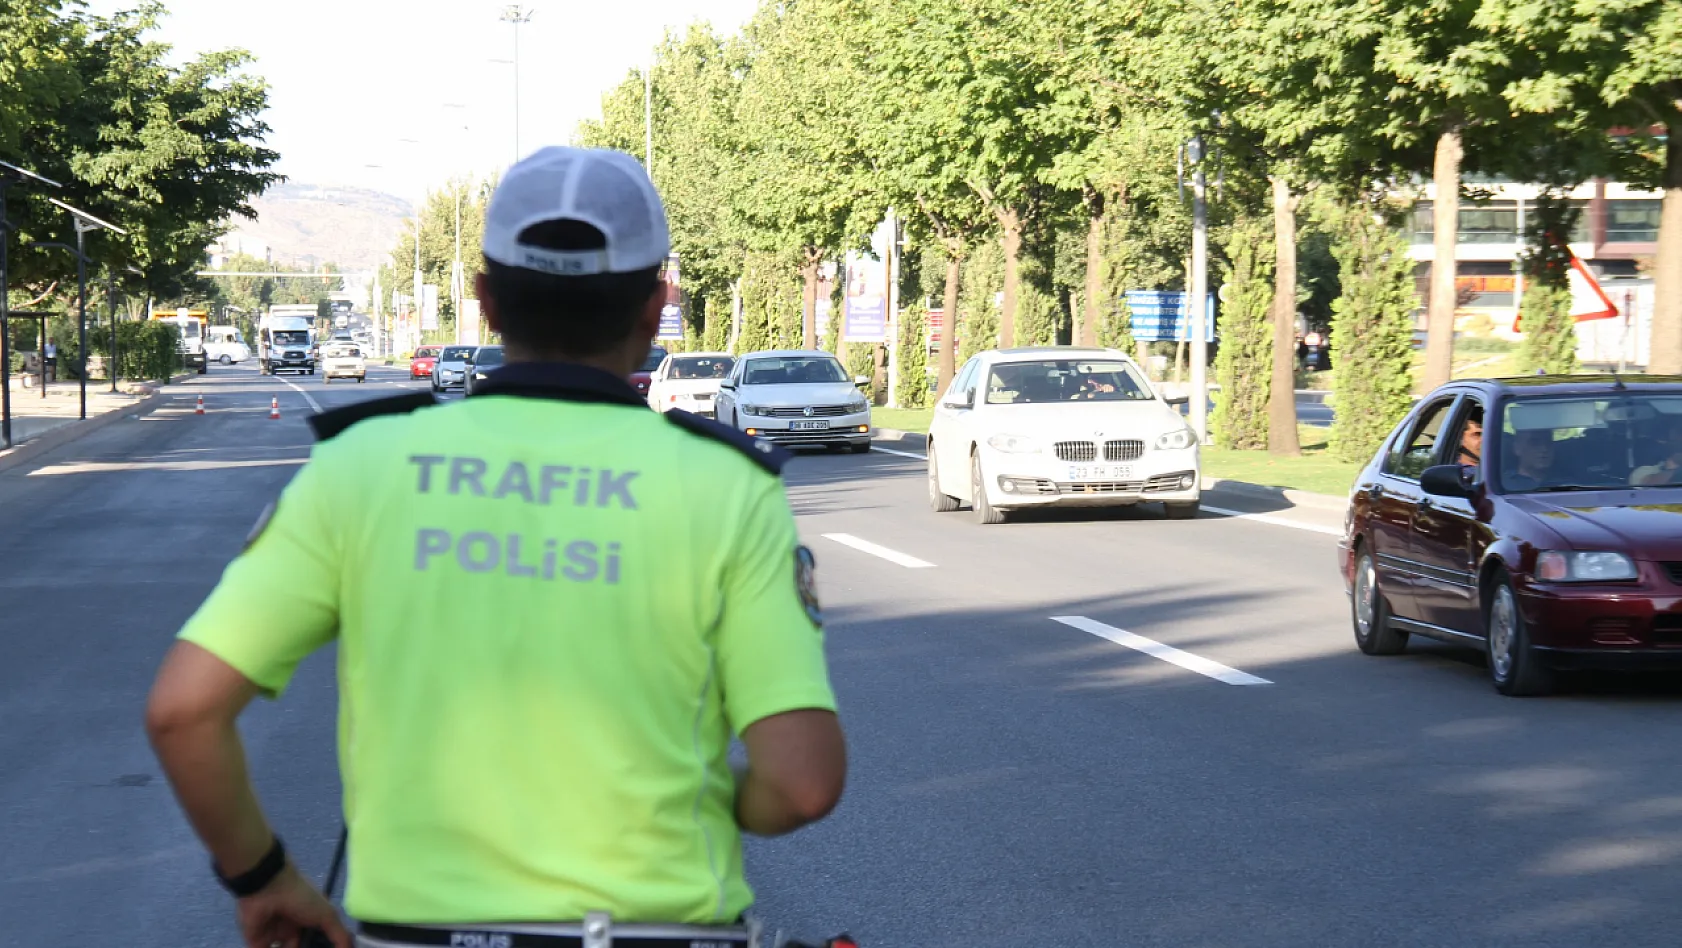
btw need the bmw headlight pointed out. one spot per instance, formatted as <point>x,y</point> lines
<point>750,409</point>
<point>1583,566</point>
<point>1013,444</point>
<point>1176,440</point>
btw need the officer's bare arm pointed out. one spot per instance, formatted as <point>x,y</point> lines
<point>190,719</point>
<point>797,766</point>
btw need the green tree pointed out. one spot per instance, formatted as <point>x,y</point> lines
<point>1593,66</point>
<point>912,386</point>
<point>956,88</point>
<point>983,280</point>
<point>800,151</point>
<point>1550,334</point>
<point>168,151</point>
<point>1372,328</point>
<point>1241,367</point>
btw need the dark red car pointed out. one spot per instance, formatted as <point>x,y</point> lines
<point>1551,541</point>
<point>640,379</point>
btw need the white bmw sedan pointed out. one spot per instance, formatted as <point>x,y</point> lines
<point>796,398</point>
<point>690,381</point>
<point>1058,426</point>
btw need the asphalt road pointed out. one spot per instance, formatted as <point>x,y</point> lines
<point>1017,780</point>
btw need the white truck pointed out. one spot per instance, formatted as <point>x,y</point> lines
<point>286,340</point>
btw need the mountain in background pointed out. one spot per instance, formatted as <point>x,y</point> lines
<point>306,225</point>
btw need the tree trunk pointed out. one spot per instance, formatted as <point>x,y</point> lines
<point>1282,398</point>
<point>1094,296</point>
<point>1010,223</point>
<point>949,327</point>
<point>809,300</point>
<point>1445,225</point>
<point>1666,344</point>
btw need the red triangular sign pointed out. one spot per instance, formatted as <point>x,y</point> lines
<point>1588,300</point>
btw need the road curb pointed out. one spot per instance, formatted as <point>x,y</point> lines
<point>1296,498</point>
<point>64,434</point>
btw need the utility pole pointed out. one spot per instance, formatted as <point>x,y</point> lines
<point>893,308</point>
<point>1197,300</point>
<point>518,15</point>
<point>457,290</point>
<point>648,118</point>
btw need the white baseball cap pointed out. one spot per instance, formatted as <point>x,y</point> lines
<point>609,190</point>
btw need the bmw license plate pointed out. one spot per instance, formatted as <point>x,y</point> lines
<point>808,425</point>
<point>1100,472</point>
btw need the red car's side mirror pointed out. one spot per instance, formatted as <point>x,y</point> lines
<point>1449,480</point>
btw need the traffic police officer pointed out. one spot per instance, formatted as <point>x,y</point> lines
<point>554,608</point>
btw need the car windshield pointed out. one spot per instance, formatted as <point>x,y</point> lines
<point>1601,442</point>
<point>704,367</point>
<point>488,355</point>
<point>1066,380</point>
<point>794,370</point>
<point>426,352</point>
<point>457,354</point>
<point>655,357</point>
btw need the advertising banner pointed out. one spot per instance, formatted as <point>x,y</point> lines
<point>864,309</point>
<point>470,335</point>
<point>429,307</point>
<point>671,315</point>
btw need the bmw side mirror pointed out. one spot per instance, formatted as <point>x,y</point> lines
<point>1449,480</point>
<point>861,380</point>
<point>727,383</point>
<point>960,400</point>
<point>1177,399</point>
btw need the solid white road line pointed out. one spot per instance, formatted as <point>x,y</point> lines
<point>1275,521</point>
<point>314,406</point>
<point>1167,653</point>
<point>865,546</point>
<point>900,454</point>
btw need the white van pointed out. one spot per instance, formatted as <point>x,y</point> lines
<point>225,345</point>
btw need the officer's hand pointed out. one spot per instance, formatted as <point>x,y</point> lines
<point>284,909</point>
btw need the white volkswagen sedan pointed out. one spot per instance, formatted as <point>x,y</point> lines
<point>690,381</point>
<point>1059,426</point>
<point>796,398</point>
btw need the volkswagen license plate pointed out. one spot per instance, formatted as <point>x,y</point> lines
<point>808,425</point>
<point>1100,472</point>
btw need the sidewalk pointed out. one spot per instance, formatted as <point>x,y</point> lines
<point>42,421</point>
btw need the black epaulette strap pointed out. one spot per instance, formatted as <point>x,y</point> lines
<point>331,424</point>
<point>759,451</point>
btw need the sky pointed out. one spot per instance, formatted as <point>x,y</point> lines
<point>398,96</point>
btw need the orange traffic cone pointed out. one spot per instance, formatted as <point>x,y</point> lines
<point>199,410</point>
<point>274,409</point>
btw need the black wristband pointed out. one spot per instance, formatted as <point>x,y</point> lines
<point>255,879</point>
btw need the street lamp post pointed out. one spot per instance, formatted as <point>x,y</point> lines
<point>9,175</point>
<point>83,222</point>
<point>518,15</point>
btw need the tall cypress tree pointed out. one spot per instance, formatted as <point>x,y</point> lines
<point>1372,330</point>
<point>1244,362</point>
<point>1550,334</point>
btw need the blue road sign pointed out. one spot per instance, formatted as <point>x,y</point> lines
<point>1160,316</point>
